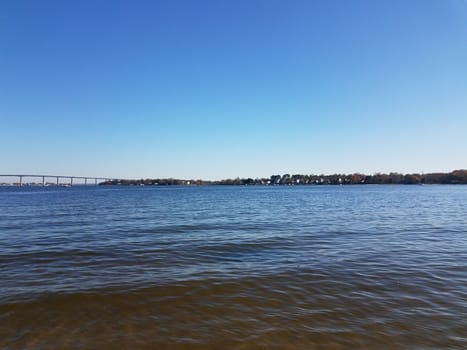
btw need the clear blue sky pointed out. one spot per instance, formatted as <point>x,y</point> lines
<point>217,89</point>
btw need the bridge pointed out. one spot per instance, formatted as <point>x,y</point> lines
<point>87,179</point>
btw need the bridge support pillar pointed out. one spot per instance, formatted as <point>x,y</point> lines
<point>58,181</point>
<point>43,180</point>
<point>71,181</point>
<point>21,181</point>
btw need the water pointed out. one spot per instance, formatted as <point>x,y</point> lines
<point>349,267</point>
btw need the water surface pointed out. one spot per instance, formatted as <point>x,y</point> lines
<point>304,267</point>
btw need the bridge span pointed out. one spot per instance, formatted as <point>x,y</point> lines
<point>88,180</point>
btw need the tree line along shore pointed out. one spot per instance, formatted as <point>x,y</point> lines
<point>453,178</point>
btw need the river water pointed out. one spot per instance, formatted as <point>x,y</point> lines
<point>212,267</point>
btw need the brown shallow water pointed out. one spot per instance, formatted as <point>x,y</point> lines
<point>330,268</point>
<point>286,312</point>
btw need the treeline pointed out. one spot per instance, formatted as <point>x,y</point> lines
<point>454,177</point>
<point>155,182</point>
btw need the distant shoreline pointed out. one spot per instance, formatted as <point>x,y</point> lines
<point>456,177</point>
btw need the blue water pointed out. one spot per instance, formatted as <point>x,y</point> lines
<point>235,267</point>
